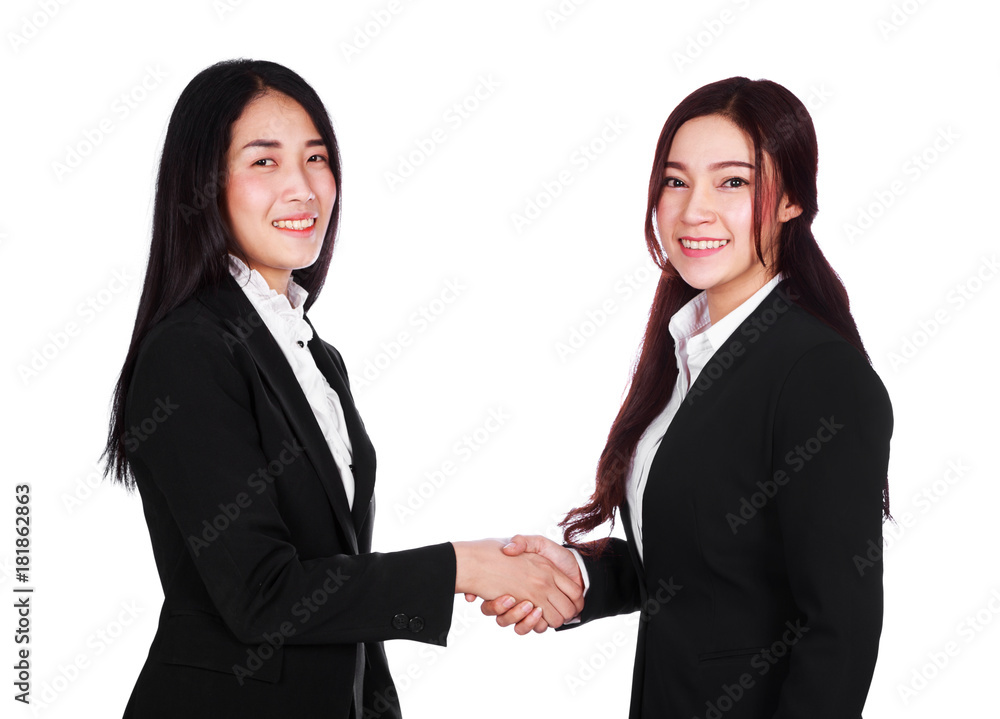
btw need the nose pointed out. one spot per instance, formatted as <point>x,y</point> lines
<point>298,187</point>
<point>700,207</point>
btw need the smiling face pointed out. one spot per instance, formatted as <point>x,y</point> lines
<point>705,213</point>
<point>280,189</point>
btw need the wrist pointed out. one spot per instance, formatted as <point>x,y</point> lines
<point>466,567</point>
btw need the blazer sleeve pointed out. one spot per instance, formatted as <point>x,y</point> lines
<point>831,435</point>
<point>202,458</point>
<point>614,584</point>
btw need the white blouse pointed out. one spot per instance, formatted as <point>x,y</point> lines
<point>283,317</point>
<point>696,339</point>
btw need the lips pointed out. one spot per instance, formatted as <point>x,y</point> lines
<point>302,222</point>
<point>702,246</point>
<point>298,224</point>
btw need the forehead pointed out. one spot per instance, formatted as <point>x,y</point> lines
<point>273,116</point>
<point>709,139</point>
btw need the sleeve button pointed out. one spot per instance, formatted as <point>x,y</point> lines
<point>400,621</point>
<point>416,624</point>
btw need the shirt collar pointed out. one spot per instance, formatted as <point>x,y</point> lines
<point>254,280</point>
<point>693,318</point>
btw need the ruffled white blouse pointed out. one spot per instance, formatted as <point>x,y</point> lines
<point>283,317</point>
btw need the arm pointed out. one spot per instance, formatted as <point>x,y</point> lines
<point>206,456</point>
<point>828,511</point>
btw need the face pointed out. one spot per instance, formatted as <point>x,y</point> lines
<point>705,212</point>
<point>280,189</point>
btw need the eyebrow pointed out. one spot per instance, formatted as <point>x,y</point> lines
<point>714,166</point>
<point>275,144</point>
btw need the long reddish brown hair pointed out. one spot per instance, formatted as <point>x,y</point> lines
<point>779,126</point>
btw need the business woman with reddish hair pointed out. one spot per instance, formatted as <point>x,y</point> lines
<point>748,461</point>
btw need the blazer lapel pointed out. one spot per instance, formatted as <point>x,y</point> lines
<point>246,326</point>
<point>363,464</point>
<point>723,365</point>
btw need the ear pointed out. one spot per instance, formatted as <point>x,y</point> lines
<point>787,209</point>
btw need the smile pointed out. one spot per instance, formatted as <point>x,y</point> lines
<point>294,224</point>
<point>703,244</point>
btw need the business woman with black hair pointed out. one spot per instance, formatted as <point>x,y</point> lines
<point>748,461</point>
<point>236,424</point>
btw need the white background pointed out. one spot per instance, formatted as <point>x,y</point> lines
<point>884,82</point>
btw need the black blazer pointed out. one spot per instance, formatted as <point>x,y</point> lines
<point>760,594</point>
<point>273,604</point>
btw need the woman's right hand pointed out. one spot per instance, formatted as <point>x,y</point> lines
<point>489,569</point>
<point>522,615</point>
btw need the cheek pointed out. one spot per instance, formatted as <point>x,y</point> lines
<point>737,211</point>
<point>245,195</point>
<point>326,188</point>
<point>666,214</point>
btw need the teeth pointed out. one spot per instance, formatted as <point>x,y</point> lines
<point>704,244</point>
<point>295,224</point>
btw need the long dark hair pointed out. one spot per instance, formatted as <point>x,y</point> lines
<point>779,125</point>
<point>191,235</point>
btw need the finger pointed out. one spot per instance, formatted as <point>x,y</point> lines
<point>572,590</point>
<point>541,626</point>
<point>498,606</point>
<point>517,545</point>
<point>516,615</point>
<point>561,598</point>
<point>529,622</point>
<point>470,597</point>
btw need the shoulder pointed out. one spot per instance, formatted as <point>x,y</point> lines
<point>192,345</point>
<point>188,328</point>
<point>824,369</point>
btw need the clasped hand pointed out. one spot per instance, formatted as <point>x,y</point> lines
<point>531,582</point>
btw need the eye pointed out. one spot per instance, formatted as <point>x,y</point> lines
<point>264,162</point>
<point>673,182</point>
<point>735,182</point>
<point>317,158</point>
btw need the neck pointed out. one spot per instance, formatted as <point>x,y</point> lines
<point>723,300</point>
<point>276,279</point>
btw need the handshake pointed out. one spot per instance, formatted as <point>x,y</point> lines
<point>529,582</point>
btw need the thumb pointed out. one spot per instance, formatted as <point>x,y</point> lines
<point>517,545</point>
